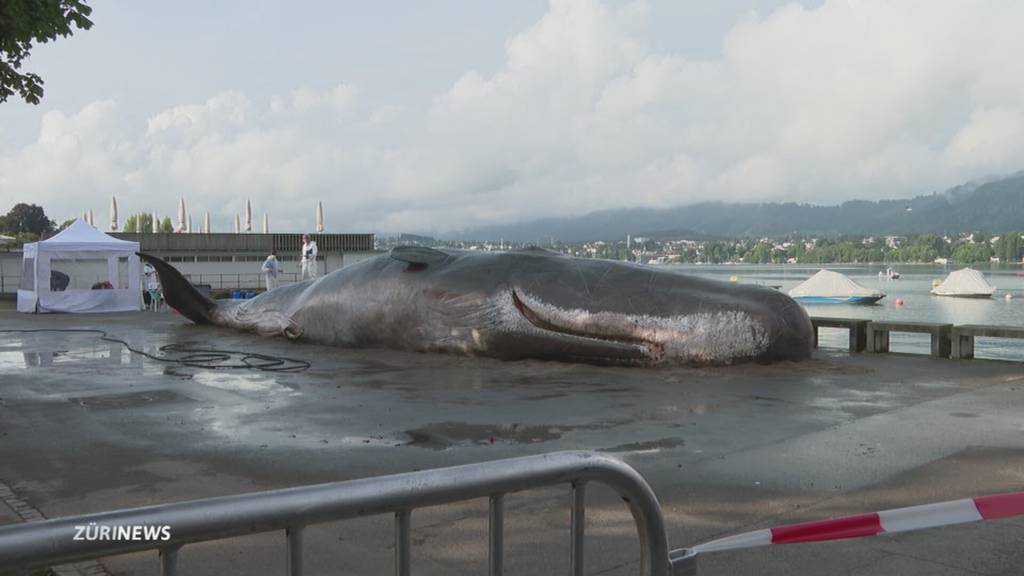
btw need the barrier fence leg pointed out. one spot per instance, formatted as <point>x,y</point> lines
<point>579,519</point>
<point>294,551</point>
<point>683,562</point>
<point>403,526</point>
<point>497,535</point>
<point>169,561</point>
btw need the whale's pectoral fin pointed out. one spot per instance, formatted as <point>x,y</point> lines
<point>418,257</point>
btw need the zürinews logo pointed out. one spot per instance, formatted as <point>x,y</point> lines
<point>132,533</point>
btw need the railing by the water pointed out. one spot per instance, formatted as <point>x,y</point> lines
<point>947,340</point>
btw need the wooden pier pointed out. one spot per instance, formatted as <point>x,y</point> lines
<point>947,340</point>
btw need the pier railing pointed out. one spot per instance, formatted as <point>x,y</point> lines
<point>947,340</point>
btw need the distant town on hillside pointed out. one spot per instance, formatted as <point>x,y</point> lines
<point>969,248</point>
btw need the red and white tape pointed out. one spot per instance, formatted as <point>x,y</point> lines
<point>888,521</point>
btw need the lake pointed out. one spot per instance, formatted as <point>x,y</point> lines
<point>913,287</point>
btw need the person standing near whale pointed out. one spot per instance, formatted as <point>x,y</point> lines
<point>270,270</point>
<point>308,259</point>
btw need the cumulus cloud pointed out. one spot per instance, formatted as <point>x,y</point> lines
<point>861,99</point>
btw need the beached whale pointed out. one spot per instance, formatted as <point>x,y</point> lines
<point>531,303</point>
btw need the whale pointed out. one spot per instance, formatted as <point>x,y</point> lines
<point>515,305</point>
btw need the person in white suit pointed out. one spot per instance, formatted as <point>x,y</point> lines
<point>270,270</point>
<point>308,260</point>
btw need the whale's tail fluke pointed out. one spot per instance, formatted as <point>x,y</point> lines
<point>180,294</point>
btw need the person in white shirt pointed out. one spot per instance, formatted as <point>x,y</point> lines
<point>308,261</point>
<point>152,294</point>
<point>270,270</point>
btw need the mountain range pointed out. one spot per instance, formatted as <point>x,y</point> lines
<point>992,206</point>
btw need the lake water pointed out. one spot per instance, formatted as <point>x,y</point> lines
<point>913,287</point>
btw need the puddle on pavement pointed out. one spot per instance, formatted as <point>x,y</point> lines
<point>237,425</point>
<point>699,408</point>
<point>647,447</point>
<point>98,356</point>
<point>856,399</point>
<point>235,380</point>
<point>129,400</point>
<point>444,435</point>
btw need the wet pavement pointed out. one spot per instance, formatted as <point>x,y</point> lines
<point>86,426</point>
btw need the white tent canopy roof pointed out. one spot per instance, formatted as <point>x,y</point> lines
<point>964,282</point>
<point>81,237</point>
<point>829,284</point>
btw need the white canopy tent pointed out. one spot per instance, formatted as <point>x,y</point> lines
<point>81,269</point>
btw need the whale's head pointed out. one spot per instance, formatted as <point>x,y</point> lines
<point>540,304</point>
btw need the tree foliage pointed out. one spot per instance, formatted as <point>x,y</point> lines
<point>138,223</point>
<point>26,219</point>
<point>143,223</point>
<point>25,22</point>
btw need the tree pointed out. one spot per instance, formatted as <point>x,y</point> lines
<point>759,254</point>
<point>141,223</point>
<point>24,22</point>
<point>26,218</point>
<point>1008,247</point>
<point>165,225</point>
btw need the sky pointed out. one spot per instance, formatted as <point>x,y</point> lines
<point>436,117</point>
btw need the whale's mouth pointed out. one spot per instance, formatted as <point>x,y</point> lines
<point>569,323</point>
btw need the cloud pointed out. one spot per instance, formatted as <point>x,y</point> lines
<point>862,99</point>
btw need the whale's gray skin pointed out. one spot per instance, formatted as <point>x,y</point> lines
<point>515,305</point>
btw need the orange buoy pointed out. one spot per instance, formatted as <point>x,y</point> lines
<point>899,301</point>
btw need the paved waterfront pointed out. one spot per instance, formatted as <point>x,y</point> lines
<point>86,427</point>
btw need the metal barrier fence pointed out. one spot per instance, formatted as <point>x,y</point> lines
<point>53,542</point>
<point>9,284</point>
<point>251,281</point>
<point>247,242</point>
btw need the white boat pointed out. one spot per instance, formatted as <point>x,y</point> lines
<point>888,274</point>
<point>965,283</point>
<point>828,287</point>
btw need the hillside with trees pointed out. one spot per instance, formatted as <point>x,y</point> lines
<point>989,207</point>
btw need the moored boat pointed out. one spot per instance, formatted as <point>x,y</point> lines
<point>965,283</point>
<point>889,274</point>
<point>828,287</point>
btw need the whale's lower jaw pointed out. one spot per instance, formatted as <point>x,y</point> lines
<point>713,337</point>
